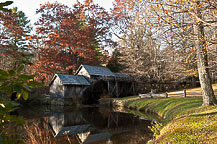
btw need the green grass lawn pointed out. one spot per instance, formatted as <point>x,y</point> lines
<point>167,108</point>
<point>199,126</point>
<point>185,120</point>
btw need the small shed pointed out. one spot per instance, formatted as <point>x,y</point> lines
<point>68,86</point>
<point>95,72</point>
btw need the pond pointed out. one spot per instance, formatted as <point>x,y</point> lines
<point>81,125</point>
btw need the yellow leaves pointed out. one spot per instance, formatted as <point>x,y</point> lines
<point>138,1</point>
<point>159,17</point>
<point>187,27</point>
<point>171,34</point>
<point>197,20</point>
<point>166,11</point>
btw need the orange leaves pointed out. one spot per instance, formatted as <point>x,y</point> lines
<point>166,11</point>
<point>70,36</point>
<point>88,2</point>
<point>187,60</point>
<point>10,31</point>
<point>84,36</point>
<point>42,6</point>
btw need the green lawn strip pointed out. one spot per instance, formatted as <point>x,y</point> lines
<point>179,110</point>
<point>146,104</point>
<point>167,108</point>
<point>186,120</point>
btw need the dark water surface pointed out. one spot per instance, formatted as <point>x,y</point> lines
<point>95,125</point>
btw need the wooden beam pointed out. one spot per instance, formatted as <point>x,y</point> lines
<point>116,85</point>
<point>108,86</point>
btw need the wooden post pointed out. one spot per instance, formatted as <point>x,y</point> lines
<point>116,85</point>
<point>108,87</point>
<point>151,93</point>
<point>133,89</point>
<point>185,95</point>
<point>166,92</point>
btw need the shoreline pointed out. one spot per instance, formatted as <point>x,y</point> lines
<point>184,119</point>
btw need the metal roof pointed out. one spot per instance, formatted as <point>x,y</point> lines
<point>98,70</point>
<point>73,79</point>
<point>121,75</point>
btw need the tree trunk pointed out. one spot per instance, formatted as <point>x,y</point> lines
<point>202,62</point>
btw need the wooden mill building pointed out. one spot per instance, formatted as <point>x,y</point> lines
<point>90,84</point>
<point>68,87</point>
<point>95,72</point>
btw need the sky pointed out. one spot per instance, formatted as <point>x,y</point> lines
<point>29,6</point>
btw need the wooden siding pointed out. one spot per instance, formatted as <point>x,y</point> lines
<point>56,88</point>
<point>70,92</point>
<point>83,72</point>
<point>73,91</point>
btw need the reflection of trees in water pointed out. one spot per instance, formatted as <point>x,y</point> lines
<point>103,125</point>
<point>37,131</point>
<point>138,135</point>
<point>105,118</point>
<point>86,124</point>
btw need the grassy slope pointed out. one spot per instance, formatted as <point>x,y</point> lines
<point>186,121</point>
<point>167,108</point>
<point>198,127</point>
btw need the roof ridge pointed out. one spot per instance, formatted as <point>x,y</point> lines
<point>97,70</point>
<point>72,79</point>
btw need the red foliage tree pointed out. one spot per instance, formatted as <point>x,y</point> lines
<point>10,32</point>
<point>66,37</point>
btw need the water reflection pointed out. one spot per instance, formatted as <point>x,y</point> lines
<point>87,125</point>
<point>97,125</point>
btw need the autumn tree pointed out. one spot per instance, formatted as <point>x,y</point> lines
<point>67,37</point>
<point>13,35</point>
<point>201,48</point>
<point>186,29</point>
<point>198,16</point>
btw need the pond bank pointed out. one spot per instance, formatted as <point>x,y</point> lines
<point>184,119</point>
